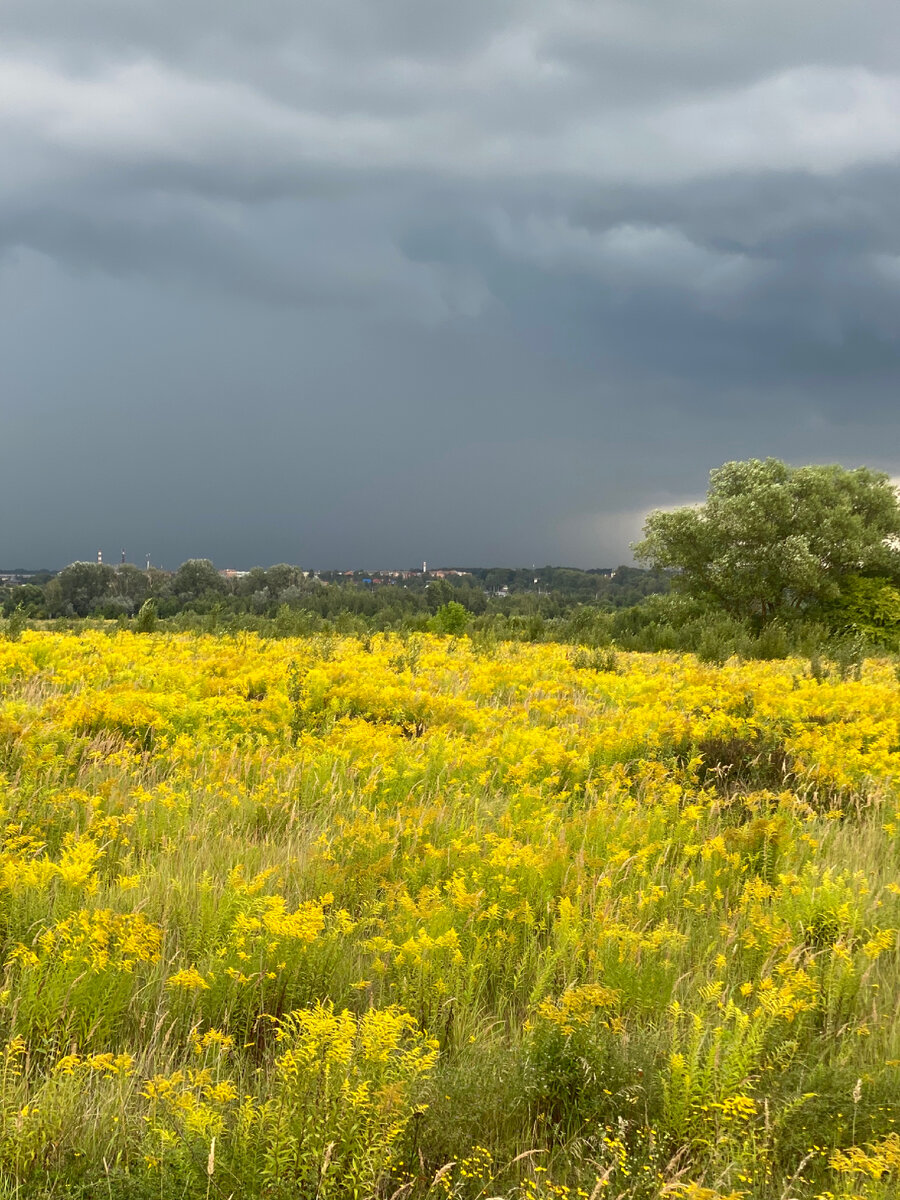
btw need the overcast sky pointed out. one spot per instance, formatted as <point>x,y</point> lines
<point>362,282</point>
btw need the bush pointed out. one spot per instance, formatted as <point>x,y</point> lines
<point>15,624</point>
<point>147,618</point>
<point>578,1069</point>
<point>451,618</point>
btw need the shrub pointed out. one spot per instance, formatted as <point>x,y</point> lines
<point>148,617</point>
<point>451,618</point>
<point>15,624</point>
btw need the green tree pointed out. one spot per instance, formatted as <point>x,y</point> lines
<point>198,585</point>
<point>27,596</point>
<point>131,585</point>
<point>450,618</point>
<point>438,592</point>
<point>80,589</point>
<point>16,623</point>
<point>282,576</point>
<point>254,581</point>
<point>773,539</point>
<point>867,606</point>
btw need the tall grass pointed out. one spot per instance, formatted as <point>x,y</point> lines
<point>428,917</point>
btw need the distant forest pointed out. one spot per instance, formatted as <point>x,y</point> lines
<point>779,561</point>
<point>389,599</point>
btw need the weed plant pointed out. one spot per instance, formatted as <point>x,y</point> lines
<point>425,916</point>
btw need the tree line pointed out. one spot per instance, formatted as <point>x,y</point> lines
<point>86,589</point>
<point>778,560</point>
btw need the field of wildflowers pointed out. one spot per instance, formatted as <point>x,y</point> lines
<point>409,917</point>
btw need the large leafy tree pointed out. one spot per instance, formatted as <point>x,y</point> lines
<point>197,583</point>
<point>79,589</point>
<point>773,538</point>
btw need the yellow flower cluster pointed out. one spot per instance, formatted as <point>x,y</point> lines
<point>880,1160</point>
<point>257,882</point>
<point>101,940</point>
<point>100,1064</point>
<point>576,1006</point>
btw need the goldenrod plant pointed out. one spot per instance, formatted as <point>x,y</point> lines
<point>430,916</point>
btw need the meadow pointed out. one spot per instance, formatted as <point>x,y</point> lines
<point>442,917</point>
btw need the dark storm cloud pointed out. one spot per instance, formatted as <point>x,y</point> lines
<point>348,281</point>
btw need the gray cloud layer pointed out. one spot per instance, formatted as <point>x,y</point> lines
<point>343,281</point>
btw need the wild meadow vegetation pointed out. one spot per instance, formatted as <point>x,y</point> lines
<point>439,916</point>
